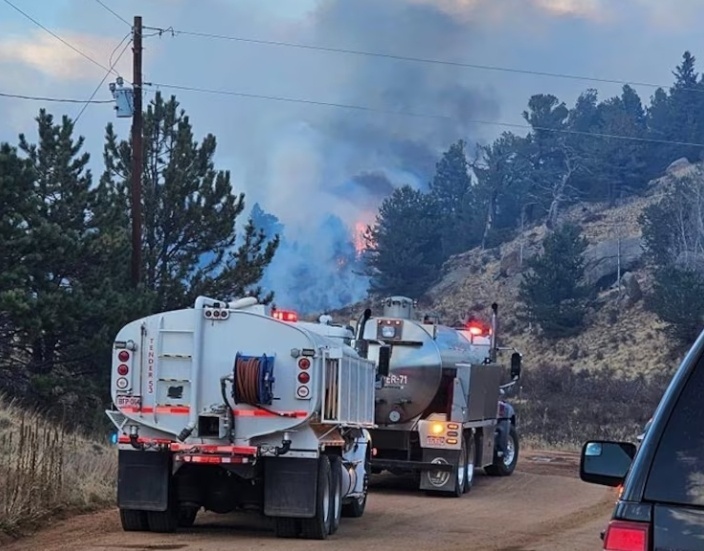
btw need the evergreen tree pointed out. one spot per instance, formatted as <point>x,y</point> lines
<point>622,165</point>
<point>190,244</point>
<point>403,256</point>
<point>504,198</point>
<point>673,231</point>
<point>17,205</point>
<point>450,189</point>
<point>69,296</point>
<point>678,116</point>
<point>551,290</point>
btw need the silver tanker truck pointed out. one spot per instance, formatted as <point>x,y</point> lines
<point>439,412</point>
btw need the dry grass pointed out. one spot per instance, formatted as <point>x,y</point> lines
<point>46,470</point>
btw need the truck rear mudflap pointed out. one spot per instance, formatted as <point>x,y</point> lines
<point>143,480</point>
<point>437,469</point>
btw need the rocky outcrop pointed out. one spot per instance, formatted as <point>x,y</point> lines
<point>602,259</point>
<point>676,166</point>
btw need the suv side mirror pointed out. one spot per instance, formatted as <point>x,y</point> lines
<point>606,463</point>
<point>515,366</point>
<point>384,360</point>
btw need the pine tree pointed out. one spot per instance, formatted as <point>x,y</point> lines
<point>551,290</point>
<point>190,243</point>
<point>450,189</point>
<point>17,205</point>
<point>403,255</point>
<point>69,297</point>
<point>673,231</point>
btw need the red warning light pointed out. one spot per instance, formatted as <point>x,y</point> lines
<point>285,315</point>
<point>478,329</point>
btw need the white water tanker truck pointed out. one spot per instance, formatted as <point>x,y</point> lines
<point>440,412</point>
<point>226,407</point>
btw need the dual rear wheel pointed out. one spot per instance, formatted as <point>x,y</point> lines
<point>328,507</point>
<point>464,470</point>
<point>158,521</point>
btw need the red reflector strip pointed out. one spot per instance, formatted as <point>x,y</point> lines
<point>126,440</point>
<point>626,536</point>
<point>212,459</point>
<point>205,448</point>
<point>264,413</point>
<point>172,410</point>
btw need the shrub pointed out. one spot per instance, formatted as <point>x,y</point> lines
<point>561,406</point>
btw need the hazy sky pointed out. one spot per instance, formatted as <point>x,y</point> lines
<point>303,160</point>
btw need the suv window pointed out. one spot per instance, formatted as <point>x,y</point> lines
<point>677,473</point>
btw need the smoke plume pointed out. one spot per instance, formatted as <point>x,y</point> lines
<point>330,169</point>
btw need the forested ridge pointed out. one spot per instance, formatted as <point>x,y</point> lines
<point>598,151</point>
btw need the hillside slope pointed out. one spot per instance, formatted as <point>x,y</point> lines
<point>620,336</point>
<point>574,388</point>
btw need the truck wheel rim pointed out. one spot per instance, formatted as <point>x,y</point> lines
<point>462,468</point>
<point>510,452</point>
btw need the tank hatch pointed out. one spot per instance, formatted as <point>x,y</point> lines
<point>399,307</point>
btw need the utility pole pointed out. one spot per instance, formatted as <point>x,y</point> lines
<point>137,163</point>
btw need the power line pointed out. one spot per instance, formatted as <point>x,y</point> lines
<point>416,114</point>
<point>52,33</point>
<point>419,59</point>
<point>53,100</point>
<point>108,8</point>
<point>107,74</point>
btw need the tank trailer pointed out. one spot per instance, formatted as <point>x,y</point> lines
<point>440,412</point>
<point>225,406</point>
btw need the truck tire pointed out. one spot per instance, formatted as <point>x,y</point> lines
<point>505,465</point>
<point>335,492</point>
<point>355,508</point>
<point>134,521</point>
<point>286,527</point>
<point>163,522</point>
<point>471,461</point>
<point>461,471</point>
<point>187,516</point>
<point>318,527</point>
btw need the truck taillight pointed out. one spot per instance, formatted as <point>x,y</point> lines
<point>624,535</point>
<point>123,356</point>
<point>122,370</point>
<point>303,378</point>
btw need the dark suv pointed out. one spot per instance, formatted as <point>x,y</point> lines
<point>661,503</point>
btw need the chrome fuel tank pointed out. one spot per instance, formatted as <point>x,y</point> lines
<point>419,354</point>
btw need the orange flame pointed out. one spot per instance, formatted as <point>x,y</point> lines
<point>359,243</point>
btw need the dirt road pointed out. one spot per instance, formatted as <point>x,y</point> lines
<point>542,507</point>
